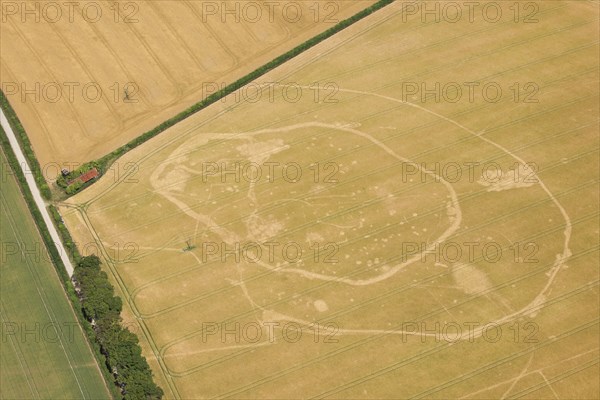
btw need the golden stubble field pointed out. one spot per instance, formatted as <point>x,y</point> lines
<point>344,234</point>
<point>87,77</point>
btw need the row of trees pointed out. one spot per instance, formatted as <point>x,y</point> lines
<point>95,301</point>
<point>53,251</point>
<point>119,346</point>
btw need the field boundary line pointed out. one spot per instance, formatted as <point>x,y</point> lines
<point>26,184</point>
<point>109,158</point>
<point>453,116</point>
<point>36,194</point>
<point>23,143</point>
<point>122,288</point>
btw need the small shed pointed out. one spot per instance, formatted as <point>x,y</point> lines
<point>88,176</point>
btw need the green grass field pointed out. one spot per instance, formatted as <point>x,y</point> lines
<point>43,352</point>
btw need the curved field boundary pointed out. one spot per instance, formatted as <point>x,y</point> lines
<point>553,267</point>
<point>453,116</point>
<point>83,209</point>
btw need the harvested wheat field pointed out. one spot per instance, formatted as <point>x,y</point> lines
<point>87,77</point>
<point>409,209</point>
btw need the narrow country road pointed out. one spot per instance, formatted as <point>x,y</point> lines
<point>37,197</point>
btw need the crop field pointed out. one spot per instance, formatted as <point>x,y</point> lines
<point>408,209</point>
<point>43,353</point>
<point>87,77</point>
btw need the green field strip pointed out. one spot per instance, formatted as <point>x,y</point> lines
<point>15,374</point>
<point>55,357</point>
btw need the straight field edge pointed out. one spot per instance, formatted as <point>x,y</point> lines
<point>56,261</point>
<point>23,139</point>
<point>107,160</point>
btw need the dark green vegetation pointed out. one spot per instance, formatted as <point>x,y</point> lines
<point>71,188</point>
<point>120,347</point>
<point>43,351</point>
<point>65,236</point>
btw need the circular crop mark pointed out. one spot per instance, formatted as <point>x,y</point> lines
<point>334,212</point>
